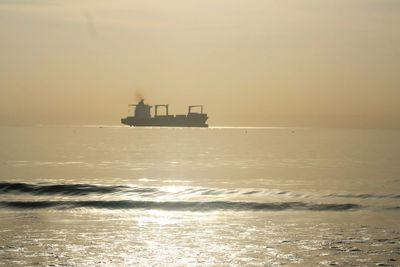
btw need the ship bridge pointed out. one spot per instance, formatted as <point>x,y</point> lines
<point>142,110</point>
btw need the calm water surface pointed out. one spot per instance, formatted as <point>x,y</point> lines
<point>116,196</point>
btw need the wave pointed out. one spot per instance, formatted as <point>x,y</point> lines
<point>87,189</point>
<point>64,189</point>
<point>364,196</point>
<point>180,205</point>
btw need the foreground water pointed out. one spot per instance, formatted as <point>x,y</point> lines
<point>219,196</point>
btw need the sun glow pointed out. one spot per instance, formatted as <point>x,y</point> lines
<point>174,189</point>
<point>158,217</point>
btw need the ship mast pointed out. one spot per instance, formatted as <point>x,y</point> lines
<point>195,106</point>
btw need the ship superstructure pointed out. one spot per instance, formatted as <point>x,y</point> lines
<point>142,117</point>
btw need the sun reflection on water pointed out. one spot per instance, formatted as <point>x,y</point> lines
<point>157,217</point>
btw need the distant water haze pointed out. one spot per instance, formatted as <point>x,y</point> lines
<point>253,63</point>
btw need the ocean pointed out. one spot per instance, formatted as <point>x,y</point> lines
<point>120,196</point>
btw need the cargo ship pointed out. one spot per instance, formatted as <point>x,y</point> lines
<point>142,117</point>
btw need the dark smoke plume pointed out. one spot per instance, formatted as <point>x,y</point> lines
<point>138,96</point>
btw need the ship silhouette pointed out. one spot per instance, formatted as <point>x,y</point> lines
<point>142,117</point>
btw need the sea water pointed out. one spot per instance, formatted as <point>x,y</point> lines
<point>120,196</point>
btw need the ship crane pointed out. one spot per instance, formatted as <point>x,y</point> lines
<point>156,109</point>
<point>195,106</point>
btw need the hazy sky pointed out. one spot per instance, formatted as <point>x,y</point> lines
<point>251,62</point>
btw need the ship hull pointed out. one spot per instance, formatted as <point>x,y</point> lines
<point>192,120</point>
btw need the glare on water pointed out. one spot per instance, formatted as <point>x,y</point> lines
<point>179,197</point>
